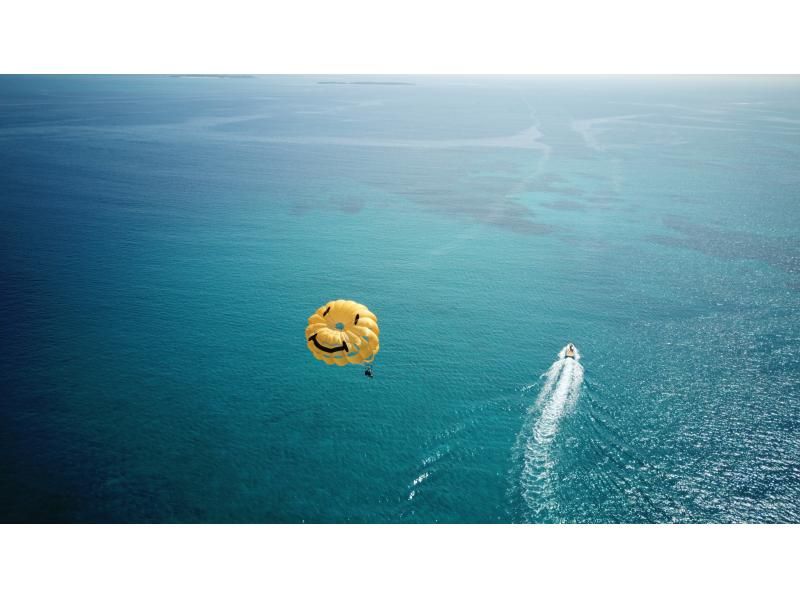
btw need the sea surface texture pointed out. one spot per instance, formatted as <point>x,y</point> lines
<point>163,241</point>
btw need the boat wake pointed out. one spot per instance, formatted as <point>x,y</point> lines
<point>560,390</point>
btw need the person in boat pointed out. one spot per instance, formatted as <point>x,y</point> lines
<point>570,350</point>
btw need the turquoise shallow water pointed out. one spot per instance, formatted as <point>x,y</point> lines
<point>163,240</point>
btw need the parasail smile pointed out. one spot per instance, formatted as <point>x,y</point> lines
<point>313,339</point>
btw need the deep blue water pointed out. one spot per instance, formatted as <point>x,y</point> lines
<point>163,241</point>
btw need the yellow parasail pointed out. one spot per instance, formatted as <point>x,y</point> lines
<point>343,332</point>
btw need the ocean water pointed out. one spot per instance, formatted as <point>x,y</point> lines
<point>164,239</point>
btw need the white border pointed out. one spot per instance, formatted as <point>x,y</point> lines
<point>408,36</point>
<point>395,560</point>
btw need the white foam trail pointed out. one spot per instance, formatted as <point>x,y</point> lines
<point>560,391</point>
<point>558,400</point>
<point>550,379</point>
<point>418,480</point>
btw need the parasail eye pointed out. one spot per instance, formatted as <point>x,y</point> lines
<point>326,311</point>
<point>356,321</point>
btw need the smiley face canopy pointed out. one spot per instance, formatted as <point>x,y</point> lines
<point>343,332</point>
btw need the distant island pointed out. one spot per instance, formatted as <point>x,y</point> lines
<point>214,76</point>
<point>364,83</point>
